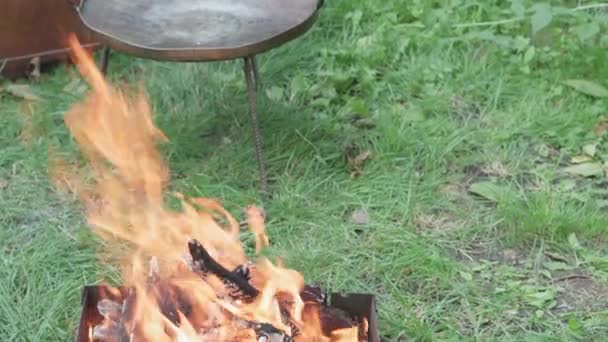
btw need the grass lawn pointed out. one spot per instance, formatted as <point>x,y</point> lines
<point>480,215</point>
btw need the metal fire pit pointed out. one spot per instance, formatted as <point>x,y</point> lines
<point>197,30</point>
<point>200,31</point>
<point>357,305</point>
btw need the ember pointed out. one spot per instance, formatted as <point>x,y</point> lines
<point>186,274</point>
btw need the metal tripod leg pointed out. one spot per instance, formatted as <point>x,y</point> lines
<point>105,60</point>
<point>256,73</point>
<point>251,75</point>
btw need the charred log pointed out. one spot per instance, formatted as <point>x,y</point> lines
<point>204,263</point>
<point>314,294</point>
<point>238,280</point>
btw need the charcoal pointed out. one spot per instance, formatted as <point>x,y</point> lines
<point>243,271</point>
<point>314,294</point>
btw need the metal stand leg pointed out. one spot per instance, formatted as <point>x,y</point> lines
<point>256,74</point>
<point>105,60</point>
<point>251,75</point>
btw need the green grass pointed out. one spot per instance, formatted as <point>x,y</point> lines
<point>451,107</point>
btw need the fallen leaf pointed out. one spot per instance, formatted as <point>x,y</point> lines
<point>590,149</point>
<point>487,190</point>
<point>3,183</point>
<point>364,123</point>
<point>361,158</point>
<point>585,169</point>
<point>580,159</point>
<point>601,127</point>
<point>360,217</point>
<point>451,189</point>
<point>355,162</point>
<point>496,168</point>
<point>587,87</point>
<point>22,91</point>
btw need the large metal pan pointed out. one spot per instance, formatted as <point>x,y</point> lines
<point>197,30</point>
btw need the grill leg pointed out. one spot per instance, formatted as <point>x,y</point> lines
<point>105,60</point>
<point>252,77</point>
<point>256,74</point>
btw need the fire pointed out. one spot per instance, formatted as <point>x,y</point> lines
<point>188,276</point>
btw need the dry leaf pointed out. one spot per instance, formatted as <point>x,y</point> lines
<point>355,163</point>
<point>21,91</point>
<point>427,222</point>
<point>590,149</point>
<point>364,123</point>
<point>600,127</point>
<point>496,168</point>
<point>546,151</point>
<point>362,157</point>
<point>585,169</point>
<point>580,159</point>
<point>451,189</point>
<point>360,217</point>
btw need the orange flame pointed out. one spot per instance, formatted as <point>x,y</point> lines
<point>124,203</point>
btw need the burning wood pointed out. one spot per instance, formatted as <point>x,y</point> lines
<point>237,280</point>
<point>218,294</point>
<point>174,307</point>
